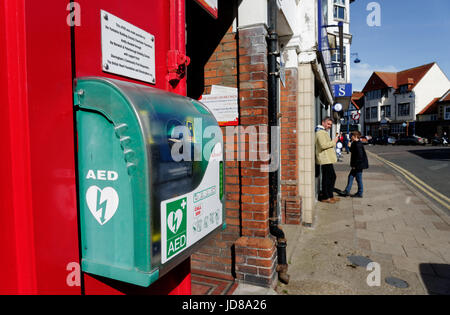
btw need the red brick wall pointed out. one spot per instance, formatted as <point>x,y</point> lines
<point>290,201</point>
<point>216,255</point>
<point>242,63</point>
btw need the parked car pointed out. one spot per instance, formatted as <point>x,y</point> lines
<point>411,140</point>
<point>384,140</point>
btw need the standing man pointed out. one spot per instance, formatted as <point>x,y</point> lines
<point>326,157</point>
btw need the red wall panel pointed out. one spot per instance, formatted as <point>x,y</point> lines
<point>151,16</point>
<point>49,87</point>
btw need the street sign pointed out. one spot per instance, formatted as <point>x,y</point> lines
<point>210,6</point>
<point>356,116</point>
<point>343,90</point>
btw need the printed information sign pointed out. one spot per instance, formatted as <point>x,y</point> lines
<point>126,49</point>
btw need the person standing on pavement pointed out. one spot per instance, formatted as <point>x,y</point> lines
<point>358,163</point>
<point>346,141</point>
<point>326,157</point>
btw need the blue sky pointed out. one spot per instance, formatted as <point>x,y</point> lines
<point>412,33</point>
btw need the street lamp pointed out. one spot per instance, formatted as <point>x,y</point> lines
<point>357,60</point>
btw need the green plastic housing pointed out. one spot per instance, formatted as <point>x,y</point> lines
<point>129,180</point>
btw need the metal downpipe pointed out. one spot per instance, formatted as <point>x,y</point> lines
<point>273,53</point>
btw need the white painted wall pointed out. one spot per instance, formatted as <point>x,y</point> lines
<point>307,32</point>
<point>434,84</point>
<point>290,12</point>
<point>252,12</point>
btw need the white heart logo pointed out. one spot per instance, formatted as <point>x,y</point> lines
<point>174,220</point>
<point>107,204</point>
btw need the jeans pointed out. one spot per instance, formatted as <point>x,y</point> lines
<point>358,174</point>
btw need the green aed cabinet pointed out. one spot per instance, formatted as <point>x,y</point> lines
<point>150,178</point>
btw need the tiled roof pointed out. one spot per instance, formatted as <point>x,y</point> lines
<point>413,76</point>
<point>389,78</point>
<point>356,97</point>
<point>396,79</point>
<point>446,97</point>
<point>430,108</point>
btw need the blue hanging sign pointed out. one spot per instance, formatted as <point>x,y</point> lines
<point>343,90</point>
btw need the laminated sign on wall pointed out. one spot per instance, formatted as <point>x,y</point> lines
<point>223,103</point>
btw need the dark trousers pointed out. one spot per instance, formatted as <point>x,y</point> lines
<point>328,180</point>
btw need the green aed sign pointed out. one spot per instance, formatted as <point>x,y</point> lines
<point>176,226</point>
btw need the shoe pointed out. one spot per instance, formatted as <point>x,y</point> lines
<point>356,196</point>
<point>343,194</point>
<point>335,199</point>
<point>329,200</point>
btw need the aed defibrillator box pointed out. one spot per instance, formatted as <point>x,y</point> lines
<point>150,178</point>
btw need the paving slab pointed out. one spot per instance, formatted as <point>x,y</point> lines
<point>392,226</point>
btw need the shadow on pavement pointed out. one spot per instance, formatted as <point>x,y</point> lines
<point>433,154</point>
<point>436,278</point>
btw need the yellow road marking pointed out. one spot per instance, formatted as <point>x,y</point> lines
<point>417,182</point>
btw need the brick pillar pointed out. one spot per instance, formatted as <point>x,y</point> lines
<point>216,257</point>
<point>255,250</point>
<point>290,200</point>
<point>245,249</point>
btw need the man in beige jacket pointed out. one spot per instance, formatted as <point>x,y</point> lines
<point>326,157</point>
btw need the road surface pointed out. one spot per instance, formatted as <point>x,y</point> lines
<point>426,166</point>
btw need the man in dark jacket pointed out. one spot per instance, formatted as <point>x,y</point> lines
<point>358,162</point>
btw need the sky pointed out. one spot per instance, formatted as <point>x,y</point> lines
<point>410,33</point>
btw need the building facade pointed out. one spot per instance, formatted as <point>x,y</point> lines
<point>434,119</point>
<point>248,250</point>
<point>392,100</point>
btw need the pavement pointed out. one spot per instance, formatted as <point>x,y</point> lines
<point>394,241</point>
<point>394,226</point>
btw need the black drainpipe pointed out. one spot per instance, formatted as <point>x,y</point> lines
<point>273,53</point>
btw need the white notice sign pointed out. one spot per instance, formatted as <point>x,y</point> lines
<point>223,103</point>
<point>127,50</point>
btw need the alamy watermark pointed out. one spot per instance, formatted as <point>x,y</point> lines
<point>374,17</point>
<point>74,17</point>
<point>252,144</point>
<point>374,277</point>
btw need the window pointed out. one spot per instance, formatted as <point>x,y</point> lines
<point>367,113</point>
<point>336,63</point>
<point>403,109</point>
<point>385,111</point>
<point>403,88</point>
<point>447,113</point>
<point>397,129</point>
<point>374,113</point>
<point>336,55</point>
<point>339,10</point>
<point>372,95</point>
